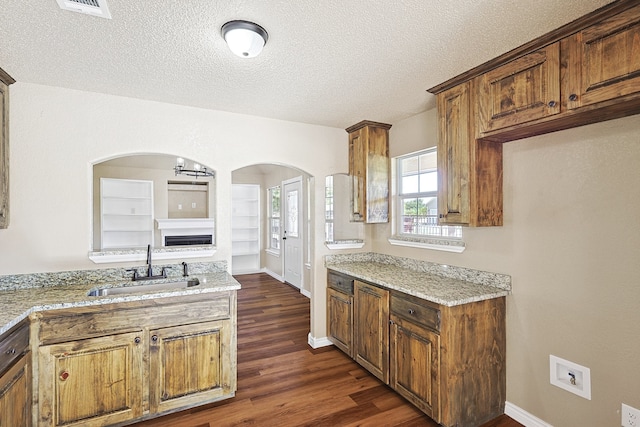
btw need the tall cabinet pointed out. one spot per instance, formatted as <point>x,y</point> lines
<point>369,169</point>
<point>245,228</point>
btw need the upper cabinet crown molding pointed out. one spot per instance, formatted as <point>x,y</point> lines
<point>6,78</point>
<point>5,81</point>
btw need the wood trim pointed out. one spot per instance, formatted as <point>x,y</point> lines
<point>6,78</point>
<point>551,37</point>
<point>366,123</point>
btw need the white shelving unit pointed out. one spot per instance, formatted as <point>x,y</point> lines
<point>245,229</point>
<point>126,213</point>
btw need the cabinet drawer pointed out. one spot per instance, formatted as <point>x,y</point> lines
<point>95,321</point>
<point>340,282</point>
<point>13,345</point>
<point>416,310</point>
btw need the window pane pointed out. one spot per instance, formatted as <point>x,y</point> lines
<point>418,176</point>
<point>409,184</point>
<point>429,182</point>
<point>292,214</point>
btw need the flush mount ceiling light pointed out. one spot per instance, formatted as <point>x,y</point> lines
<point>244,38</point>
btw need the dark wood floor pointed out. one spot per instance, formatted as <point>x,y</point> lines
<point>284,382</point>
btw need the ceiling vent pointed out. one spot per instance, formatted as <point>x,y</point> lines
<point>89,7</point>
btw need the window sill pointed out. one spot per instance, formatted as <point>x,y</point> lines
<point>436,244</point>
<point>345,244</point>
<point>272,252</point>
<point>165,253</point>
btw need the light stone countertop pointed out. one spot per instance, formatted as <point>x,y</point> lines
<point>441,284</point>
<point>18,304</point>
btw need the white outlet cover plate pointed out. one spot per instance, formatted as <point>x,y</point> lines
<point>559,376</point>
<point>630,416</point>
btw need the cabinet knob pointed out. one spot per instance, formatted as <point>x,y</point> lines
<point>64,375</point>
<point>154,338</point>
<point>137,340</point>
<point>552,104</point>
<point>11,351</point>
<point>411,311</point>
<point>573,97</point>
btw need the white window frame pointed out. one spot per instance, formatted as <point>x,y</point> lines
<point>451,241</point>
<point>328,209</point>
<point>273,236</point>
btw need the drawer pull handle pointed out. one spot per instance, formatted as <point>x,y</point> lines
<point>11,351</point>
<point>154,338</point>
<point>412,311</point>
<point>64,375</point>
<point>137,340</point>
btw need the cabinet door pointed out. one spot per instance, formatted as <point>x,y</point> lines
<point>190,364</point>
<point>357,171</point>
<point>92,382</point>
<point>15,394</point>
<point>415,365</point>
<point>525,89</point>
<point>371,329</point>
<point>454,155</point>
<point>603,62</point>
<point>340,320</point>
<point>4,155</point>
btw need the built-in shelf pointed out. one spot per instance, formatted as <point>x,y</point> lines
<point>126,213</point>
<point>245,229</point>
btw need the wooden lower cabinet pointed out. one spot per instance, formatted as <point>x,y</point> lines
<point>415,365</point>
<point>340,319</point>
<point>113,364</point>
<point>187,365</point>
<point>15,394</point>
<point>95,381</point>
<point>448,361</point>
<point>371,329</point>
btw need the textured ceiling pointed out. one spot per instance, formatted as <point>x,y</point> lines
<point>327,62</point>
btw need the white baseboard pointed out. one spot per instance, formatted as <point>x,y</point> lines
<point>278,277</point>
<point>523,417</point>
<point>318,342</point>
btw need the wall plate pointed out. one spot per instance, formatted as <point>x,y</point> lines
<point>570,376</point>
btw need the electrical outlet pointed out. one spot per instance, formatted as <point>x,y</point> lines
<point>630,416</point>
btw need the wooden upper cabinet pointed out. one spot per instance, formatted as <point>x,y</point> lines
<point>603,60</point>
<point>525,89</point>
<point>585,72</point>
<point>454,145</point>
<point>469,171</point>
<point>369,169</point>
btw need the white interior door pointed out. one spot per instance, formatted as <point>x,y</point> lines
<point>293,231</point>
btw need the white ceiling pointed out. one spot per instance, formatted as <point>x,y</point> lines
<point>327,62</point>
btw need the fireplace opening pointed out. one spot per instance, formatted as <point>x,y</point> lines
<point>202,239</point>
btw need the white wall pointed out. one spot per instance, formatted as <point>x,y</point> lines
<point>571,243</point>
<point>56,134</point>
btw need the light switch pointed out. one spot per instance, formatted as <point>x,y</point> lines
<point>193,205</point>
<point>179,206</point>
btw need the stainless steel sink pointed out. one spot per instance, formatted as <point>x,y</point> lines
<point>149,287</point>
